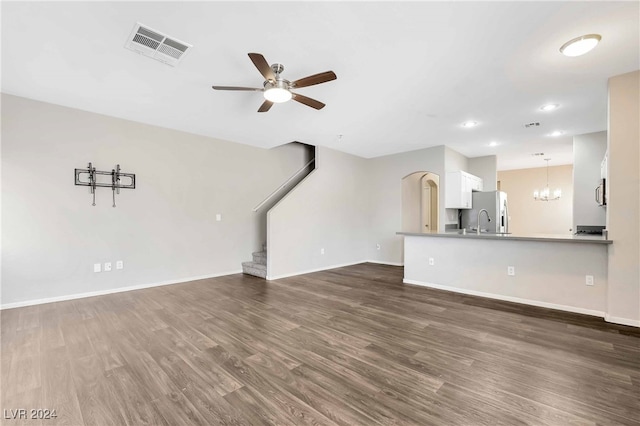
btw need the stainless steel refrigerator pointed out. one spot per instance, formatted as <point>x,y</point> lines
<point>495,203</point>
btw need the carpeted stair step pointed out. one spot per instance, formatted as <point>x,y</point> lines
<point>255,269</point>
<point>260,257</point>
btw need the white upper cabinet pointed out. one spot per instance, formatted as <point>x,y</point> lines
<point>459,186</point>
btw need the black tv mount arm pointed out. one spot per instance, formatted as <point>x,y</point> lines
<point>116,180</point>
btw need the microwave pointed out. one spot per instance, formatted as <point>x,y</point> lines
<point>601,193</point>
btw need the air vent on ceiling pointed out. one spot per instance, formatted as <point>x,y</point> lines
<point>533,124</point>
<point>537,154</point>
<point>156,45</point>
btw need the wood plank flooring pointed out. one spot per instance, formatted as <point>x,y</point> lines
<point>349,346</point>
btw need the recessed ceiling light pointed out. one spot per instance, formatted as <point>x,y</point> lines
<point>580,45</point>
<point>493,143</point>
<point>549,107</point>
<point>556,133</point>
<point>468,124</point>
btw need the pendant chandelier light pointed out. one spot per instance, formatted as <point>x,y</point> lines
<point>545,194</point>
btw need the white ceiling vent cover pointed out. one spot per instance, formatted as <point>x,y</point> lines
<point>152,43</point>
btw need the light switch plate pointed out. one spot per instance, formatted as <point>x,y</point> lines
<point>119,264</point>
<point>107,266</point>
<point>511,271</point>
<point>97,267</point>
<point>218,217</point>
<point>432,261</point>
<point>589,280</point>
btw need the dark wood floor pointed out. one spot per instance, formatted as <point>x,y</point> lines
<point>347,346</point>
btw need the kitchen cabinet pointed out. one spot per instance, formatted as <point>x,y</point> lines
<point>459,186</point>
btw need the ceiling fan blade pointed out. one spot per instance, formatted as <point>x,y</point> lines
<point>307,101</point>
<point>322,77</point>
<point>266,106</point>
<point>251,89</point>
<point>263,66</point>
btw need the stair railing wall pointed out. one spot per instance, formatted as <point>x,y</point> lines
<point>278,189</point>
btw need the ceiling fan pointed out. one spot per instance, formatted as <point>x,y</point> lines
<point>276,89</point>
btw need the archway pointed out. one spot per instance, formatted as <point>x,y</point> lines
<point>420,202</point>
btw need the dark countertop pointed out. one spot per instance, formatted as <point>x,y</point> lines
<point>559,238</point>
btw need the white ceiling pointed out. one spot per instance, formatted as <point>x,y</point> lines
<point>409,73</point>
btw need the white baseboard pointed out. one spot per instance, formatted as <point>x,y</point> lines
<point>308,271</point>
<point>380,262</point>
<point>622,321</point>
<point>110,291</point>
<point>540,304</point>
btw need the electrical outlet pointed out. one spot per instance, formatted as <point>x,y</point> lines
<point>218,217</point>
<point>119,264</point>
<point>432,261</point>
<point>511,271</point>
<point>107,266</point>
<point>97,267</point>
<point>589,280</point>
<point>377,246</point>
<point>321,251</point>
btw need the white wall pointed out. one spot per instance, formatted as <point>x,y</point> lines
<point>550,274</point>
<point>164,230</point>
<point>588,152</point>
<point>328,210</point>
<point>485,168</point>
<point>384,177</point>
<point>529,216</point>
<point>623,210</point>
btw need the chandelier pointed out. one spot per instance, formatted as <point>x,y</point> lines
<point>545,194</point>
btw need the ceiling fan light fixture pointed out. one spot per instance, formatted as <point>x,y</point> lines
<point>580,45</point>
<point>276,89</point>
<point>277,95</point>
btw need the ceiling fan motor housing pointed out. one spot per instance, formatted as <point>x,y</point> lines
<point>279,83</point>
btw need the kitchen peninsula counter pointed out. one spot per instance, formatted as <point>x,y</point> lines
<point>566,272</point>
<point>559,238</point>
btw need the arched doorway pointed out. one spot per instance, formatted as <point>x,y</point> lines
<point>420,202</point>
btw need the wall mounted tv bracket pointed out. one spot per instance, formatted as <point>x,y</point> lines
<point>93,176</point>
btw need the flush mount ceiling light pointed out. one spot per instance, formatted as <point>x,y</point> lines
<point>493,143</point>
<point>549,107</point>
<point>556,133</point>
<point>580,45</point>
<point>469,124</point>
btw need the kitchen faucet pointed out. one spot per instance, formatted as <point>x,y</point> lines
<point>488,218</point>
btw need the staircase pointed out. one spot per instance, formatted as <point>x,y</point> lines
<point>257,267</point>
